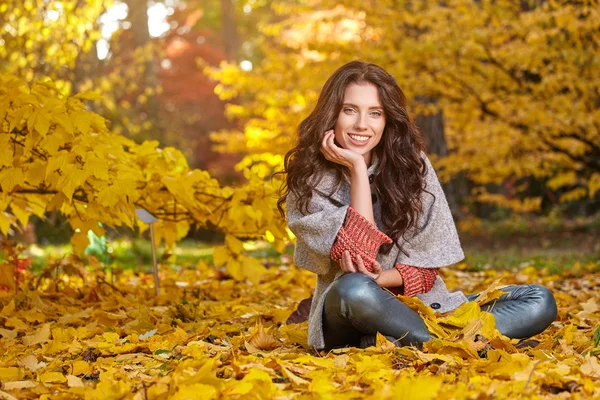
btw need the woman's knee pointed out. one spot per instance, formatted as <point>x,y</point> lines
<point>547,310</point>
<point>353,289</point>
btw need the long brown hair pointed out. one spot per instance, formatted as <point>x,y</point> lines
<point>399,177</point>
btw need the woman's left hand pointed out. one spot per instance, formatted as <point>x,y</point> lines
<point>348,265</point>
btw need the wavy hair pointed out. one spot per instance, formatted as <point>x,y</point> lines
<point>399,178</point>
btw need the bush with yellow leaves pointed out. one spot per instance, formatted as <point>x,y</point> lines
<point>57,155</point>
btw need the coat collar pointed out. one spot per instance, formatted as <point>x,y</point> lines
<point>327,183</point>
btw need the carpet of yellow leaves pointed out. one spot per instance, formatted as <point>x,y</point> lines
<point>209,337</point>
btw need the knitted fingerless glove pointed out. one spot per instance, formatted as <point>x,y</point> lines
<point>415,279</point>
<point>360,237</point>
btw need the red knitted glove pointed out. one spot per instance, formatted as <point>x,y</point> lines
<point>415,279</point>
<point>360,237</point>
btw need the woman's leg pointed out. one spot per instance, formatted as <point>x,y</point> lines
<point>524,311</point>
<point>356,306</point>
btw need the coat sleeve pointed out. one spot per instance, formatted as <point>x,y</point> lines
<point>315,232</point>
<point>359,237</point>
<point>434,242</point>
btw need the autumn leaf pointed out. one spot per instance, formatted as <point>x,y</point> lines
<point>492,292</point>
<point>461,317</point>
<point>7,275</point>
<point>41,336</point>
<point>11,373</point>
<point>422,388</point>
<point>52,377</point>
<point>591,367</point>
<point>259,340</point>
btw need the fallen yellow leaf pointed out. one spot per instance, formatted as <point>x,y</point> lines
<point>52,377</point>
<point>418,388</point>
<point>11,373</point>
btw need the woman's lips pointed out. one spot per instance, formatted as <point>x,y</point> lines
<point>356,142</point>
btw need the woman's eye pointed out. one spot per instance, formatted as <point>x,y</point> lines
<point>352,110</point>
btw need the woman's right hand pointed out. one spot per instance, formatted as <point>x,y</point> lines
<point>347,266</point>
<point>339,155</point>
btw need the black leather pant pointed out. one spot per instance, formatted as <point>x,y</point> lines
<point>356,306</point>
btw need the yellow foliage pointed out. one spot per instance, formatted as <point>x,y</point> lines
<point>516,84</point>
<point>11,373</point>
<point>422,388</point>
<point>128,344</point>
<point>64,158</point>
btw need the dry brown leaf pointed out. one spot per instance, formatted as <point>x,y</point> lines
<point>591,367</point>
<point>41,336</point>
<point>73,381</point>
<point>9,334</point>
<point>260,340</point>
<point>297,380</point>
<point>17,385</point>
<point>7,396</point>
<point>30,362</point>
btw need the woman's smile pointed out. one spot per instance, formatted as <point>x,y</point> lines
<point>358,140</point>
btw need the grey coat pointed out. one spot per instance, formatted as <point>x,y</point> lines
<point>433,243</point>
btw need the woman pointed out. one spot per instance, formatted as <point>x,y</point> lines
<point>369,213</point>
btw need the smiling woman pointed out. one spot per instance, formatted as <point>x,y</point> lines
<point>359,246</point>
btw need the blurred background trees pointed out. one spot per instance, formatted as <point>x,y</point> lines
<point>506,92</point>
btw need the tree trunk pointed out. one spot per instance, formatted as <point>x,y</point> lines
<point>229,29</point>
<point>432,128</point>
<point>138,16</point>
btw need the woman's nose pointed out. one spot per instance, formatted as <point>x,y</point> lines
<point>361,121</point>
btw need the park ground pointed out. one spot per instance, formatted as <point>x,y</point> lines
<point>88,331</point>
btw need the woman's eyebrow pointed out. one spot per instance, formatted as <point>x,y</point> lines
<point>370,108</point>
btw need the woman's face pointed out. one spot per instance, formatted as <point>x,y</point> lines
<point>361,121</point>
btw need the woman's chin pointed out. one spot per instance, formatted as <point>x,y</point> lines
<point>358,149</point>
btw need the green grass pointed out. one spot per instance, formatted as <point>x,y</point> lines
<point>514,243</point>
<point>555,264</point>
<point>137,254</point>
<point>523,225</point>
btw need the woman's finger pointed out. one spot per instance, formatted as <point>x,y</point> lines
<point>360,264</point>
<point>325,149</point>
<point>349,262</point>
<point>331,144</point>
<point>344,264</point>
<point>376,267</point>
<point>340,154</point>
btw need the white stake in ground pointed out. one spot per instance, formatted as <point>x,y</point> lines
<point>150,219</point>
